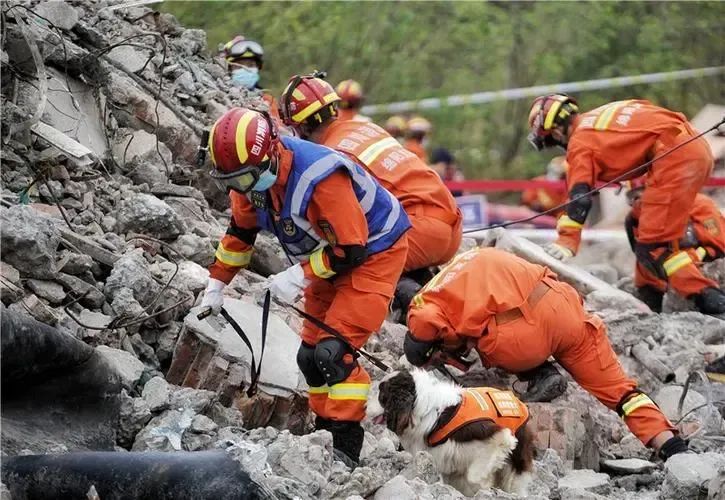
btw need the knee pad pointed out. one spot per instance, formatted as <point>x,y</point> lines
<point>631,401</point>
<point>335,360</point>
<point>306,363</point>
<point>643,253</point>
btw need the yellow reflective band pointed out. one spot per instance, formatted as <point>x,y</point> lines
<point>234,259</point>
<point>566,221</point>
<point>312,108</point>
<point>375,149</point>
<point>551,115</point>
<point>676,262</point>
<point>716,377</point>
<point>317,262</point>
<point>211,143</point>
<point>479,399</point>
<point>319,390</point>
<point>636,402</point>
<point>605,118</point>
<point>241,136</point>
<point>356,392</point>
<point>330,97</point>
<point>701,253</point>
<point>418,301</point>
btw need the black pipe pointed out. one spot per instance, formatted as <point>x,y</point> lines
<point>203,475</point>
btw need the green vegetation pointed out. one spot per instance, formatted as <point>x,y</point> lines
<point>410,50</point>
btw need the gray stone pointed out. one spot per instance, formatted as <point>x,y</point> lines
<point>397,488</point>
<point>194,248</point>
<point>92,296</point>
<point>134,414</point>
<point>167,341</point>
<point>48,290</point>
<point>11,288</point>
<point>60,13</point>
<point>156,394</point>
<point>176,190</point>
<point>197,400</point>
<point>132,271</point>
<point>422,467</point>
<point>629,466</point>
<point>145,173</point>
<point>586,479</point>
<point>164,432</point>
<point>269,257</point>
<point>190,275</point>
<point>203,424</point>
<point>76,263</point>
<point>146,214</point>
<point>124,364</point>
<point>224,416</point>
<point>185,82</point>
<point>125,304</point>
<point>94,319</point>
<point>604,272</point>
<point>196,442</point>
<point>716,488</point>
<point>685,473</point>
<point>141,148</point>
<point>32,305</point>
<point>29,241</point>
<point>131,59</point>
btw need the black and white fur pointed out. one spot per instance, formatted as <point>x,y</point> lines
<point>479,455</point>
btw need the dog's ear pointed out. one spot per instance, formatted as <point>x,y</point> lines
<point>397,396</point>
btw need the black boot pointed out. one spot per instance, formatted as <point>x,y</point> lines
<point>651,296</point>
<point>347,439</point>
<point>545,383</point>
<point>710,301</point>
<point>673,446</point>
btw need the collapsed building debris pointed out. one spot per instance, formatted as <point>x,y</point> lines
<point>107,227</point>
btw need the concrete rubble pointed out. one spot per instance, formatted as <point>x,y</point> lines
<point>107,231</point>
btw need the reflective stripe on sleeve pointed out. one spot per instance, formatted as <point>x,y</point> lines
<point>230,258</point>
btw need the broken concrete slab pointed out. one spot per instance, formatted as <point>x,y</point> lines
<point>686,473</point>
<point>586,479</point>
<point>146,214</point>
<point>629,466</point>
<point>11,288</point>
<point>58,12</point>
<point>29,241</point>
<point>48,290</point>
<point>140,146</point>
<point>88,246</point>
<point>156,394</point>
<point>132,271</point>
<point>94,319</point>
<point>92,296</point>
<point>195,248</point>
<point>125,364</point>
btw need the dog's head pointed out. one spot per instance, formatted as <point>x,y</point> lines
<point>395,403</point>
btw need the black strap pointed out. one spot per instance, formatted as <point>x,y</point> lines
<point>328,329</point>
<point>256,370</point>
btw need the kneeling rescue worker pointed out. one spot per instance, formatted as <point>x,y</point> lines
<point>517,314</point>
<point>309,105</point>
<point>613,139</point>
<point>704,241</point>
<point>325,208</point>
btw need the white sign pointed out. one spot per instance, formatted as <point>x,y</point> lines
<point>474,208</point>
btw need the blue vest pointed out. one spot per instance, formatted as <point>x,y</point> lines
<point>311,164</point>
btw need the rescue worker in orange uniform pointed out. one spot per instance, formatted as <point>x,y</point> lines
<point>309,105</point>
<point>704,241</point>
<point>611,140</point>
<point>348,231</point>
<point>516,314</point>
<point>395,126</point>
<point>245,59</point>
<point>351,99</point>
<point>417,130</point>
<point>543,199</point>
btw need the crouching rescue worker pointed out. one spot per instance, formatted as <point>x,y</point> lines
<point>704,241</point>
<point>350,231</point>
<point>517,314</point>
<point>613,139</point>
<point>309,105</point>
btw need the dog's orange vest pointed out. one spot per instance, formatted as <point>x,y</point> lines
<point>483,403</point>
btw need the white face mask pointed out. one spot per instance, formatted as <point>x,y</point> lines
<point>245,76</point>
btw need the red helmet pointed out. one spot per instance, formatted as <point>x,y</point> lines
<point>308,99</point>
<point>350,92</point>
<point>546,113</point>
<point>242,146</point>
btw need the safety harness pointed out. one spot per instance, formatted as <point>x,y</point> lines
<point>481,404</point>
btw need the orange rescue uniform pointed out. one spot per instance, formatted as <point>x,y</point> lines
<point>517,314</point>
<point>437,222</point>
<point>704,242</point>
<point>370,287</point>
<point>617,137</point>
<point>416,148</point>
<point>542,199</point>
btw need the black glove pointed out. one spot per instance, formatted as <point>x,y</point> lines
<point>418,352</point>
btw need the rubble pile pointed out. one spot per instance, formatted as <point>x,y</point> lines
<point>107,226</point>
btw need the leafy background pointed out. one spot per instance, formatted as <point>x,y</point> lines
<point>411,50</point>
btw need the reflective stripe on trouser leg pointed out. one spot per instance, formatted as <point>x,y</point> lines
<point>317,399</point>
<point>687,279</point>
<point>347,400</point>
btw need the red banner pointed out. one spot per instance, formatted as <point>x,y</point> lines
<point>492,185</point>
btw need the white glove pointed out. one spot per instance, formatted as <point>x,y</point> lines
<point>214,296</point>
<point>288,285</point>
<point>558,252</point>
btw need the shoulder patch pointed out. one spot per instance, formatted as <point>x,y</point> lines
<point>711,226</point>
<point>258,199</point>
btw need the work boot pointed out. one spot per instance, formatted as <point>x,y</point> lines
<point>545,383</point>
<point>673,446</point>
<point>406,289</point>
<point>347,439</point>
<point>710,300</point>
<point>651,296</point>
